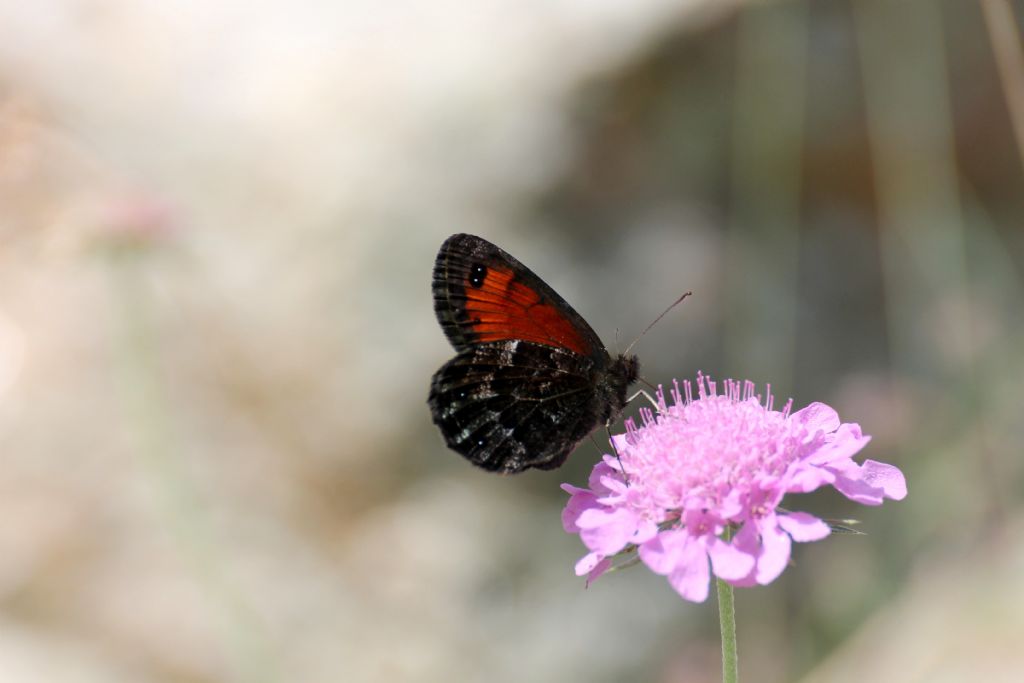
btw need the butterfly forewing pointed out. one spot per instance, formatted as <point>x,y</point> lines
<point>483,294</point>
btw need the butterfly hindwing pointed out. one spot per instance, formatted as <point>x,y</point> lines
<point>510,405</point>
<point>482,294</point>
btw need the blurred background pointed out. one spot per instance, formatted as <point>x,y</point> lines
<point>217,226</point>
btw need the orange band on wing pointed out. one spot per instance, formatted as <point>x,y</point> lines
<point>502,308</point>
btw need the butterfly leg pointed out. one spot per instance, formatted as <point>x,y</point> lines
<point>657,408</point>
<point>641,392</point>
<point>608,431</point>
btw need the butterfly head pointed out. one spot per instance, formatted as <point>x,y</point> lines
<point>627,367</point>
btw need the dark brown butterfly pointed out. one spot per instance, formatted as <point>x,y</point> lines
<point>530,379</point>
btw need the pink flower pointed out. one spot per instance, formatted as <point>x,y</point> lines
<point>136,219</point>
<point>712,462</point>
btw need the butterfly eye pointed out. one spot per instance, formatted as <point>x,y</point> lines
<point>477,275</point>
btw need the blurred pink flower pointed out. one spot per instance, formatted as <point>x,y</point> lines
<point>712,461</point>
<point>136,218</point>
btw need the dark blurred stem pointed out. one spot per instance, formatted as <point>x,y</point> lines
<point>1006,45</point>
<point>727,619</point>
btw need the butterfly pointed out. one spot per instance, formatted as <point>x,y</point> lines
<point>530,378</point>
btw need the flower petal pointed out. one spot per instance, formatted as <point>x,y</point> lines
<point>747,542</point>
<point>871,482</point>
<point>817,416</point>
<point>588,563</point>
<point>803,527</point>
<point>662,552</point>
<point>845,443</point>
<point>600,515</point>
<point>886,477</point>
<point>645,531</point>
<point>728,561</point>
<point>804,478</point>
<point>599,569</point>
<point>775,549</point>
<point>597,475</point>
<point>732,504</point>
<point>606,531</point>
<point>691,575</point>
<point>580,501</point>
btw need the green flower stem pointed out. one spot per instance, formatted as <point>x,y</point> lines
<point>727,617</point>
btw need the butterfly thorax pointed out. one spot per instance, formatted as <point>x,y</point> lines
<point>613,384</point>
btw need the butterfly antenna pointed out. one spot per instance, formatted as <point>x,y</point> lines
<point>655,322</point>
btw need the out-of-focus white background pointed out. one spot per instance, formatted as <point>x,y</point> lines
<point>217,226</point>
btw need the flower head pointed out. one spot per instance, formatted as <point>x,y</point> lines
<point>714,462</point>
